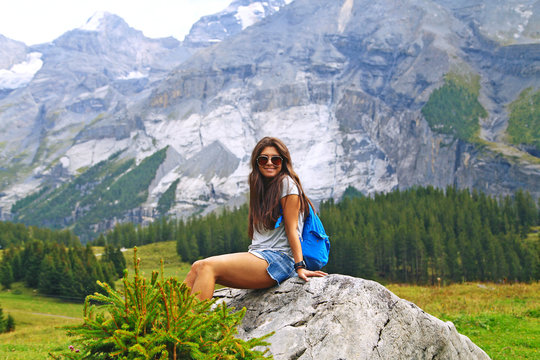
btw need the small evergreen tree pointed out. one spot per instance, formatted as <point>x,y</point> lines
<point>10,324</point>
<point>6,324</point>
<point>158,319</point>
<point>6,275</point>
<point>2,321</point>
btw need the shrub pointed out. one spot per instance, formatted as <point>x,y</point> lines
<point>158,319</point>
<point>454,109</point>
<point>10,323</point>
<point>524,120</point>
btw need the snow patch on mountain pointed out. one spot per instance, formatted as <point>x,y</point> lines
<point>132,75</point>
<point>249,15</point>
<point>525,15</point>
<point>19,75</point>
<point>239,15</point>
<point>345,15</point>
<point>94,22</point>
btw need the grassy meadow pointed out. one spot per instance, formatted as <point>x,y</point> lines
<point>38,324</point>
<point>39,320</point>
<point>503,319</point>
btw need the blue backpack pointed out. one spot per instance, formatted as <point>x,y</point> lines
<point>315,243</point>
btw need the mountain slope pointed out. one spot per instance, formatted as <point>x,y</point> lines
<point>347,89</point>
<point>343,83</point>
<point>86,76</point>
<point>239,15</point>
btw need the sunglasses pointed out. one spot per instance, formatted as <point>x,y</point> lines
<point>275,160</point>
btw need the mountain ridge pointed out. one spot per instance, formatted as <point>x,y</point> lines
<point>345,93</point>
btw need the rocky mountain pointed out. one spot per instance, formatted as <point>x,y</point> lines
<point>239,15</point>
<point>352,86</point>
<point>341,317</point>
<point>346,93</point>
<point>60,91</point>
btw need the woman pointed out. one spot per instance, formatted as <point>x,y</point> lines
<point>275,253</point>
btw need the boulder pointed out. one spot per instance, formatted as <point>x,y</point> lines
<point>342,317</point>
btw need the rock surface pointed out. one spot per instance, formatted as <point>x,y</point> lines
<point>342,317</point>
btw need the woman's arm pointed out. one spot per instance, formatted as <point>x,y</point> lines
<point>291,209</point>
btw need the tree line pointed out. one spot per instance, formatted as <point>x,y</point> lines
<point>524,119</point>
<point>58,270</point>
<point>424,234</point>
<point>413,236</point>
<point>454,108</point>
<point>107,190</point>
<point>17,234</point>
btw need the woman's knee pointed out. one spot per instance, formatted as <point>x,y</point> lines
<point>201,266</point>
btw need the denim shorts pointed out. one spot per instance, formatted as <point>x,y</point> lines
<point>280,265</point>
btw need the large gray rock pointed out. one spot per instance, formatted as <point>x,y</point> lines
<point>342,317</point>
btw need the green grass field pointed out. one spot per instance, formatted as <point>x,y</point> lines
<point>151,256</point>
<point>504,320</point>
<point>38,324</point>
<point>40,320</point>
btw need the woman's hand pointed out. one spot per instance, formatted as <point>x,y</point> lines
<point>305,273</point>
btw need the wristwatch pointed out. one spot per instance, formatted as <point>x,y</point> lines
<point>300,265</point>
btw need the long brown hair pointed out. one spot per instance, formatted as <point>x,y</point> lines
<point>264,194</point>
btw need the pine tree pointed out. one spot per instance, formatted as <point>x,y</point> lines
<point>159,319</point>
<point>6,275</point>
<point>183,249</point>
<point>2,321</point>
<point>10,323</point>
<point>32,256</point>
<point>47,277</point>
<point>100,241</point>
<point>17,266</point>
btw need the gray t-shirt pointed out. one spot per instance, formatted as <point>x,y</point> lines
<point>276,239</point>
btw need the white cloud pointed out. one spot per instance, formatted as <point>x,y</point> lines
<point>22,73</point>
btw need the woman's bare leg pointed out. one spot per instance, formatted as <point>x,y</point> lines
<point>239,270</point>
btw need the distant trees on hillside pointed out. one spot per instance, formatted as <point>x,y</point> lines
<point>13,234</point>
<point>454,108</point>
<point>413,236</point>
<point>166,200</point>
<point>109,189</point>
<point>524,120</point>
<point>421,234</point>
<point>55,263</point>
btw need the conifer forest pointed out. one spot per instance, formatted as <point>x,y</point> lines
<point>420,236</point>
<point>417,236</point>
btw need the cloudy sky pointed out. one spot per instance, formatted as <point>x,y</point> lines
<point>39,21</point>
